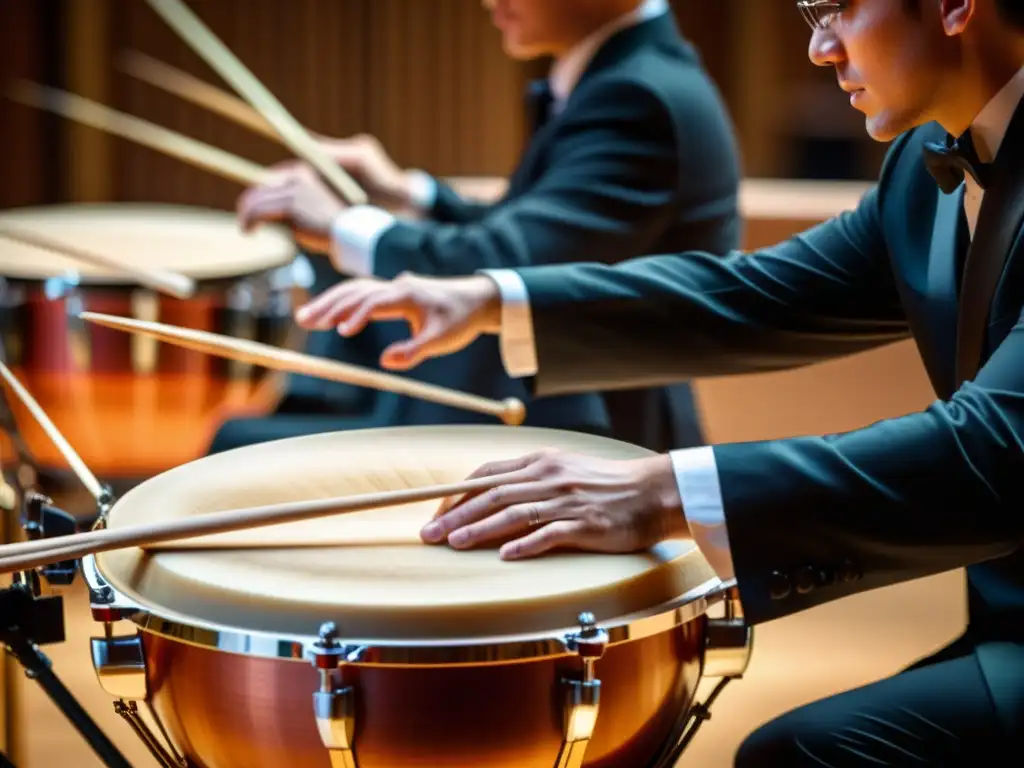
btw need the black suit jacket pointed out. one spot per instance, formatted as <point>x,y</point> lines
<point>642,159</point>
<point>813,519</point>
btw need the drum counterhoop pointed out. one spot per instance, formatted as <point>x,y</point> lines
<point>613,688</point>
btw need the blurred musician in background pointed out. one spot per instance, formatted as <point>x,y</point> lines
<point>632,152</point>
<point>934,253</point>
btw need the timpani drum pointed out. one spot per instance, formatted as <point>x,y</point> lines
<point>132,406</point>
<point>346,641</point>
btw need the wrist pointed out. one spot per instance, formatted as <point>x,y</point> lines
<point>488,300</point>
<point>414,190</point>
<point>658,478</point>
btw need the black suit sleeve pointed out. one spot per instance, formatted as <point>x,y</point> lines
<point>607,190</point>
<point>897,500</point>
<point>660,319</point>
<point>451,208</point>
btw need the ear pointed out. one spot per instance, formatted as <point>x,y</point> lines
<point>956,15</point>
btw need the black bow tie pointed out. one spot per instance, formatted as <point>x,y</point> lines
<point>948,163</point>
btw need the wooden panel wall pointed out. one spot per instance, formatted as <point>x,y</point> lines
<point>427,78</point>
<point>27,176</point>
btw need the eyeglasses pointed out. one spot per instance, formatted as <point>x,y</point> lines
<point>819,13</point>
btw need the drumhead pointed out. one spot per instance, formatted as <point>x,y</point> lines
<point>202,243</point>
<point>368,571</point>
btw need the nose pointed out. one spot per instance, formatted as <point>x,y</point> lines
<point>825,49</point>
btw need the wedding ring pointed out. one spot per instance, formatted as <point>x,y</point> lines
<point>534,516</point>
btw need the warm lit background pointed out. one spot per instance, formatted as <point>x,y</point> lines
<point>429,79</point>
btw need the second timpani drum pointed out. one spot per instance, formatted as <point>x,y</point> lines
<point>346,641</point>
<point>132,406</point>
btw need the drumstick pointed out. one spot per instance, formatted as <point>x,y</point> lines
<point>140,131</point>
<point>510,411</point>
<point>172,283</point>
<point>181,18</point>
<point>197,91</point>
<point>77,465</point>
<point>32,554</point>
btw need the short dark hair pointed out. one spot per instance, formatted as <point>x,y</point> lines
<point>1012,11</point>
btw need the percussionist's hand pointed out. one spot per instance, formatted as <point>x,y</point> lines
<point>293,194</point>
<point>555,499</point>
<point>364,158</point>
<point>444,315</point>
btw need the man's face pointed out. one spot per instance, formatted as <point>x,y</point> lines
<point>891,55</point>
<point>534,28</point>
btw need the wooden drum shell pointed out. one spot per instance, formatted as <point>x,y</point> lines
<point>227,710</point>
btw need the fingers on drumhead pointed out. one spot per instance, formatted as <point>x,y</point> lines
<point>561,533</point>
<point>517,469</point>
<point>511,521</point>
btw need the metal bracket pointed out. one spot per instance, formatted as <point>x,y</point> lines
<point>583,695</point>
<point>120,664</point>
<point>729,641</point>
<point>727,649</point>
<point>78,331</point>
<point>334,704</point>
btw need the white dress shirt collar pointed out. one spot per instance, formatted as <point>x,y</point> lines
<point>989,128</point>
<point>567,71</point>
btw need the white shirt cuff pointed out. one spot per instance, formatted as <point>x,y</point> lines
<point>422,190</point>
<point>354,236</point>
<point>697,478</point>
<point>518,351</point>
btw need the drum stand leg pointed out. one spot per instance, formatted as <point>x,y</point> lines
<point>120,664</point>
<point>334,705</point>
<point>583,695</point>
<point>726,656</point>
<point>29,619</point>
<point>27,622</point>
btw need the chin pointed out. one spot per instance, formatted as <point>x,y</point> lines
<point>883,129</point>
<point>522,51</point>
<point>523,54</point>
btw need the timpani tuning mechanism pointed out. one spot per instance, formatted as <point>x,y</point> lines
<point>333,704</point>
<point>30,618</point>
<point>40,519</point>
<point>582,695</point>
<point>104,502</point>
<point>729,641</point>
<point>120,666</point>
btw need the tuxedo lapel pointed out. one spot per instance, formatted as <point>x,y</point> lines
<point>999,222</point>
<point>943,274</point>
<point>661,30</point>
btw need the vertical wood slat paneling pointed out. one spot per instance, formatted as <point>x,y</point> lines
<point>88,151</point>
<point>429,79</point>
<point>22,133</point>
<point>22,182</point>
